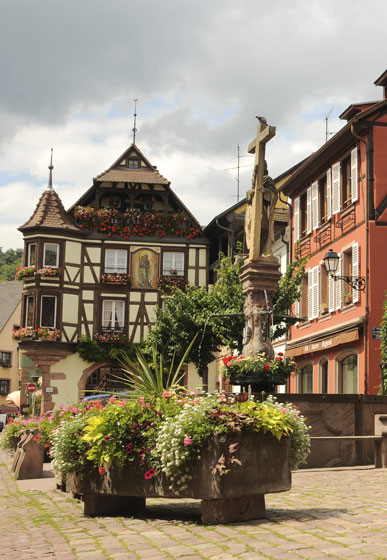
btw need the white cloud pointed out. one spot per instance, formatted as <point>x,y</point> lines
<point>201,70</point>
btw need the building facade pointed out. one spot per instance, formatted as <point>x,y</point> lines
<point>96,269</point>
<point>339,202</point>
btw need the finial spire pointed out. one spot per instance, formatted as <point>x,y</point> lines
<point>134,129</point>
<point>50,167</point>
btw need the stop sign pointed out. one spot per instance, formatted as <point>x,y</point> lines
<point>31,387</point>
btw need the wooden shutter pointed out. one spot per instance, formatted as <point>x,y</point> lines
<point>355,269</point>
<point>331,293</point>
<point>315,291</point>
<point>315,206</point>
<point>297,309</point>
<point>310,294</point>
<point>336,190</point>
<point>329,194</point>
<point>354,176</point>
<point>309,210</point>
<point>296,220</point>
<point>338,285</point>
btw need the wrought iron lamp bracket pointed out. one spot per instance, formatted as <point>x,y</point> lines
<point>357,283</point>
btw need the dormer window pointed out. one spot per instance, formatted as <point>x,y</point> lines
<point>133,163</point>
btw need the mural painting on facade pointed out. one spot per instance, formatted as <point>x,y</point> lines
<point>145,269</point>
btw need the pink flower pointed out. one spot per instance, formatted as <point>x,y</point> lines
<point>129,447</point>
<point>187,440</point>
<point>167,395</point>
<point>150,473</point>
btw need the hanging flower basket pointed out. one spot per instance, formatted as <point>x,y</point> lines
<point>257,371</point>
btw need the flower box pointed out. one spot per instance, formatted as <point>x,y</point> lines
<point>236,496</point>
<point>116,278</point>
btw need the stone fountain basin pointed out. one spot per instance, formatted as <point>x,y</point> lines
<point>235,496</point>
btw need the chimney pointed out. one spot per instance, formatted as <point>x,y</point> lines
<point>382,81</point>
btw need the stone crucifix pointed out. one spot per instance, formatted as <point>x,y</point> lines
<point>261,198</point>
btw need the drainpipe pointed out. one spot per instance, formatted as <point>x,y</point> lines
<point>287,243</point>
<point>367,204</point>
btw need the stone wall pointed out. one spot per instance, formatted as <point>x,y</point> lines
<point>339,415</point>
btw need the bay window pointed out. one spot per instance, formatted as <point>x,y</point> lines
<point>51,255</point>
<point>48,306</point>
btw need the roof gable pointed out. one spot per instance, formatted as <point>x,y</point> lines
<point>132,167</point>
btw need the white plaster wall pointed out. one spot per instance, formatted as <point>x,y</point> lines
<point>70,308</point>
<point>73,252</point>
<point>9,344</point>
<point>94,254</point>
<point>73,366</point>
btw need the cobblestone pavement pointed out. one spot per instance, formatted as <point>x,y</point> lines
<point>327,514</point>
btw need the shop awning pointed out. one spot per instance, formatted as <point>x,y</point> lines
<point>323,344</point>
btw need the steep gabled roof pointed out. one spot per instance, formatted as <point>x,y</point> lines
<point>49,212</point>
<point>119,171</point>
<point>10,295</point>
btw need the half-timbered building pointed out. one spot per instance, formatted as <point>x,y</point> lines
<point>95,270</point>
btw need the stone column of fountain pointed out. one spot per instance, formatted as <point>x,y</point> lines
<point>260,273</point>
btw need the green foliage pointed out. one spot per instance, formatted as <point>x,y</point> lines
<point>9,261</point>
<point>289,291</point>
<point>152,379</point>
<point>190,312</point>
<point>91,351</point>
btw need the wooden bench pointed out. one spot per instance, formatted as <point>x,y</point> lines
<point>380,450</point>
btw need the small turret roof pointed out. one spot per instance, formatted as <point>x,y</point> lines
<point>50,212</point>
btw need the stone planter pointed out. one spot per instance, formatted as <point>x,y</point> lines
<point>235,496</point>
<point>257,383</point>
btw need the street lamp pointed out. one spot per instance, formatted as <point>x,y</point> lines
<point>331,261</point>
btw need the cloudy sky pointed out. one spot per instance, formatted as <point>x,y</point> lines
<point>201,70</point>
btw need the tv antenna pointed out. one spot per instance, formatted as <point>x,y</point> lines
<point>327,133</point>
<point>237,179</point>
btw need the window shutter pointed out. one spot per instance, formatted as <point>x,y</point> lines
<point>310,294</point>
<point>309,210</point>
<point>331,294</point>
<point>338,285</point>
<point>315,303</point>
<point>297,309</point>
<point>315,206</point>
<point>297,220</point>
<point>336,190</point>
<point>355,269</point>
<point>329,194</point>
<point>354,175</point>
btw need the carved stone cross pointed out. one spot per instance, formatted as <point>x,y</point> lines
<point>257,147</point>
